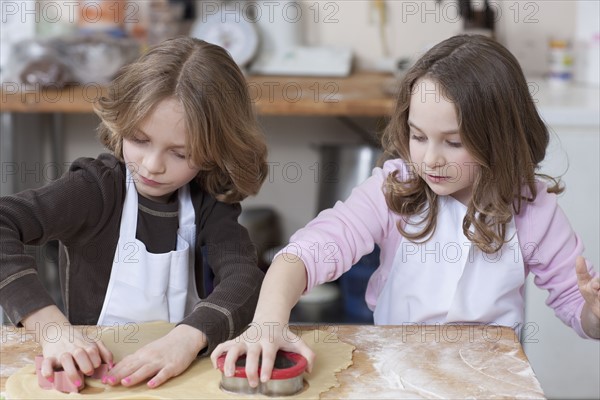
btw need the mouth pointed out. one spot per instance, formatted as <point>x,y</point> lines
<point>436,178</point>
<point>148,182</point>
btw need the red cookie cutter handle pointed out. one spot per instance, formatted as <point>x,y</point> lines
<point>278,373</point>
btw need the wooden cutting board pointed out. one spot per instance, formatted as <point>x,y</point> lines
<point>442,361</point>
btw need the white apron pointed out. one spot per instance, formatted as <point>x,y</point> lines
<point>145,286</point>
<point>449,280</point>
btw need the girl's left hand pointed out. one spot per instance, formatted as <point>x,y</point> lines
<point>160,360</point>
<point>588,286</point>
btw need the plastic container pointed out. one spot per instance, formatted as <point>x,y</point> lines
<point>353,285</point>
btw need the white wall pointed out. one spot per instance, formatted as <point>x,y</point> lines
<point>523,26</point>
<point>567,366</point>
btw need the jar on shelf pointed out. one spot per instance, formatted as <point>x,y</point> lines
<point>560,61</point>
<point>102,15</point>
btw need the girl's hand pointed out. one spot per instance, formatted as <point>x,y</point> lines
<point>272,338</point>
<point>160,360</point>
<point>72,351</point>
<point>590,290</point>
<point>588,286</point>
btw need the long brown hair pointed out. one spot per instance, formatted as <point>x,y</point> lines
<point>223,137</point>
<point>499,126</point>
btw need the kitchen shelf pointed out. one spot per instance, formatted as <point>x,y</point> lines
<point>360,94</point>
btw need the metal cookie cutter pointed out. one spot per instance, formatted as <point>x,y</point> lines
<point>286,378</point>
<point>61,382</point>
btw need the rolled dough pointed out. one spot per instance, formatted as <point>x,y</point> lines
<point>199,381</point>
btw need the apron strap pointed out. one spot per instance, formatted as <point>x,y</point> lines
<point>129,214</point>
<point>186,208</point>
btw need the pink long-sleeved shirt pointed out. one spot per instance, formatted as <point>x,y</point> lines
<point>338,237</point>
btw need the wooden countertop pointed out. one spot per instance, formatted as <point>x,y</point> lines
<point>361,94</point>
<point>409,361</point>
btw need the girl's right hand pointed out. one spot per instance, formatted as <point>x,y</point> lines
<point>283,285</point>
<point>272,338</point>
<point>72,351</point>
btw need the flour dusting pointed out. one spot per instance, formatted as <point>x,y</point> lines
<point>418,366</point>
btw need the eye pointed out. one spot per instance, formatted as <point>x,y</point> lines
<point>179,155</point>
<point>418,138</point>
<point>454,144</point>
<point>136,139</point>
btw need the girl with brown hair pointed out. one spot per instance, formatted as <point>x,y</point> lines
<point>459,212</point>
<point>186,149</point>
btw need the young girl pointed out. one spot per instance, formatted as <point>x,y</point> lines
<point>132,225</point>
<point>457,212</point>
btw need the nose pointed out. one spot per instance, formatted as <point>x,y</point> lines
<point>434,157</point>
<point>153,163</point>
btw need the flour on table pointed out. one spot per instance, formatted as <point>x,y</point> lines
<point>433,369</point>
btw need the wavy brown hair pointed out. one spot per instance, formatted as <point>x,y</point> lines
<point>223,137</point>
<point>498,125</point>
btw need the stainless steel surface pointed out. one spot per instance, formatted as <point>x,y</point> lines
<point>342,168</point>
<point>274,387</point>
<point>7,154</point>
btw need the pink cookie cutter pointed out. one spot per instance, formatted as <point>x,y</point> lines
<point>61,382</point>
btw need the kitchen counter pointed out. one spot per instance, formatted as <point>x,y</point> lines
<point>365,94</point>
<point>412,361</point>
<point>572,104</point>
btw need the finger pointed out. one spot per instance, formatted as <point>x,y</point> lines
<point>118,372</point>
<point>310,358</point>
<point>163,375</point>
<point>47,368</point>
<point>94,355</point>
<point>252,356</point>
<point>105,354</point>
<point>125,368</point>
<point>268,361</point>
<point>583,276</point>
<point>302,348</point>
<point>139,375</point>
<point>68,364</point>
<point>82,359</point>
<point>230,359</point>
<point>220,349</point>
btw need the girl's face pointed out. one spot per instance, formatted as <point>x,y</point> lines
<point>435,143</point>
<point>156,153</point>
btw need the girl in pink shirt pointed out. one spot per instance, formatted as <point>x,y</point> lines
<point>458,210</point>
